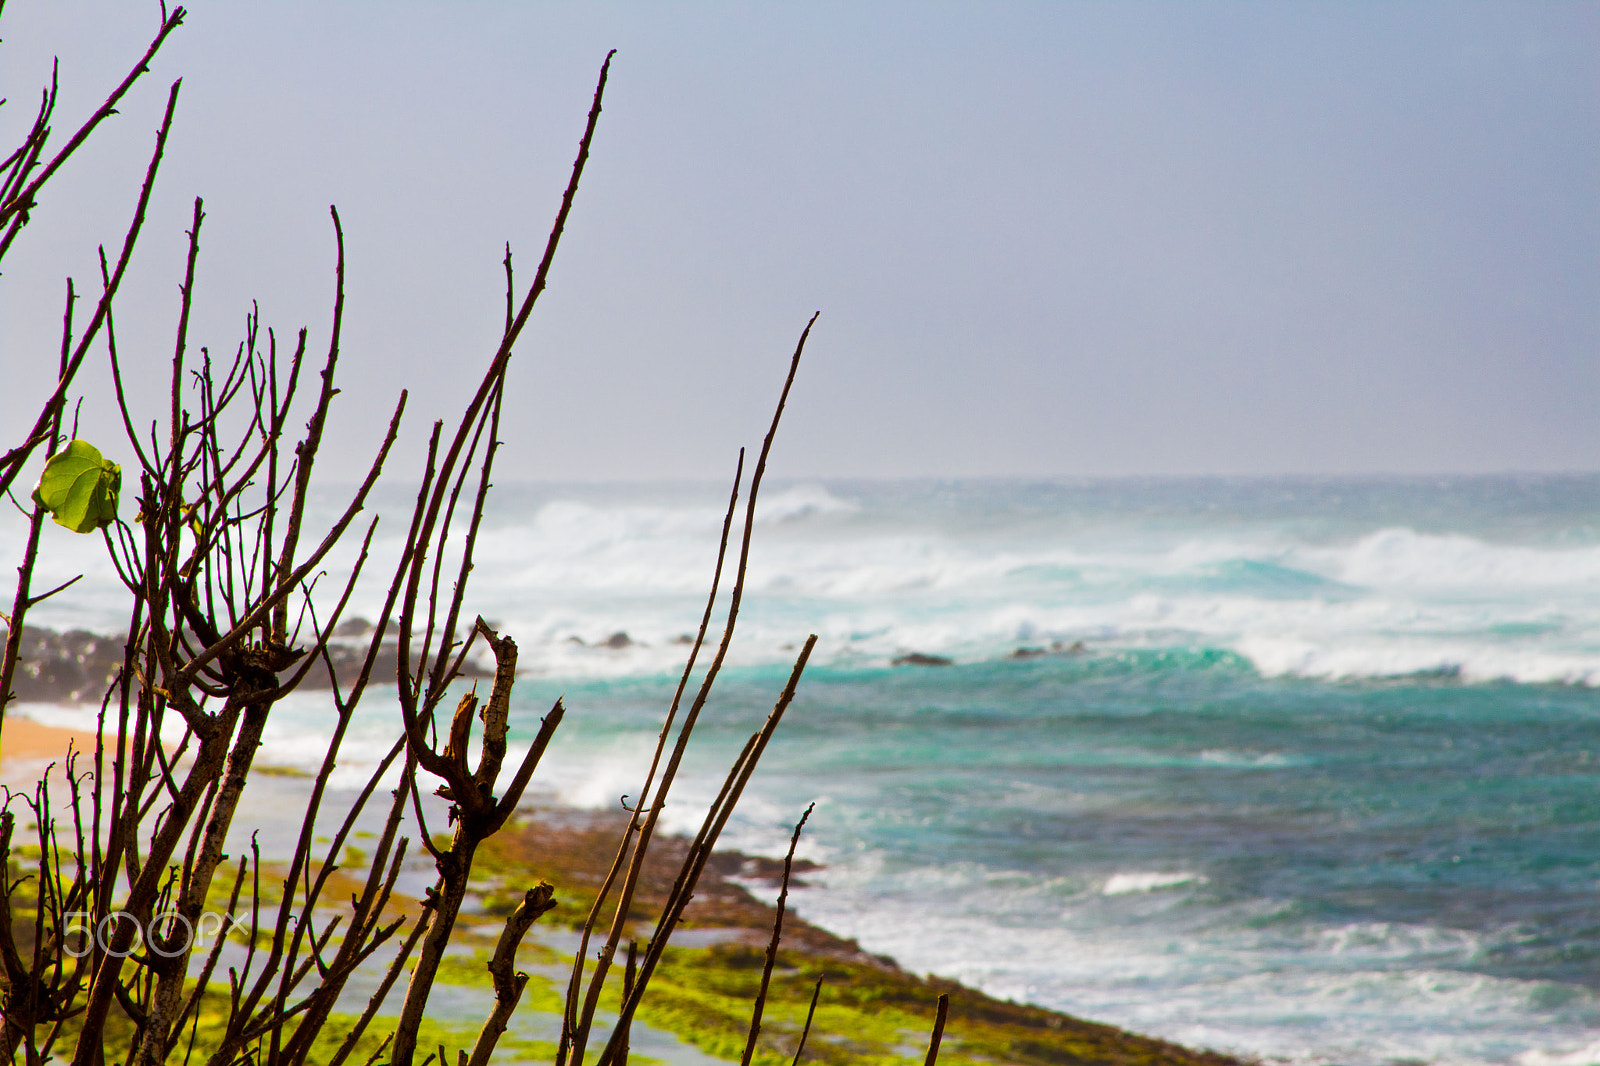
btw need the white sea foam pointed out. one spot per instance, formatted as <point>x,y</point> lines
<point>1401,657</point>
<point>1380,603</point>
<point>802,501</point>
<point>1587,1055</point>
<point>81,717</point>
<point>1120,883</point>
<point>1246,759</point>
<point>1230,977</point>
<point>1400,557</point>
<point>1375,941</point>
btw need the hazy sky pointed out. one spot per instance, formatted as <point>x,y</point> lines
<point>1045,239</point>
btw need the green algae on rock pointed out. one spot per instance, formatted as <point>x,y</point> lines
<point>869,1012</point>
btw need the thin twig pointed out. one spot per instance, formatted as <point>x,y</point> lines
<point>938,1030</point>
<point>772,946</point>
<point>810,1013</point>
<point>701,852</point>
<point>14,459</point>
<point>580,1031</point>
<point>24,201</point>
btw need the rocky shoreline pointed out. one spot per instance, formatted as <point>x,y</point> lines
<point>80,667</point>
<point>73,667</point>
<point>870,1009</point>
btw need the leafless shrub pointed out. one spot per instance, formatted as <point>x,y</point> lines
<point>219,565</point>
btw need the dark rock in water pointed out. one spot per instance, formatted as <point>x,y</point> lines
<point>353,627</point>
<point>1055,648</point>
<point>73,667</point>
<point>683,638</point>
<point>617,641</point>
<point>917,658</point>
<point>348,660</point>
<point>762,868</point>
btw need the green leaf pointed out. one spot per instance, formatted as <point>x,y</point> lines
<point>79,488</point>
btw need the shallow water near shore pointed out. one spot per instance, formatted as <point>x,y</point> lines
<point>1326,872</point>
<point>1303,769</point>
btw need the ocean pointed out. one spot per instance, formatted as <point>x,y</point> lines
<point>1307,769</point>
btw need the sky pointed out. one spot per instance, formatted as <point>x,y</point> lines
<point>1045,239</point>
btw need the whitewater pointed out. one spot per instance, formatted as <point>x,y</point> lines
<point>1304,769</point>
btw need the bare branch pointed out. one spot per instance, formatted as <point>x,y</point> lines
<point>14,459</point>
<point>811,1012</point>
<point>938,1030</point>
<point>508,984</point>
<point>772,946</point>
<point>24,201</point>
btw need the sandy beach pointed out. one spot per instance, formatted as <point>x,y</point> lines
<point>24,740</point>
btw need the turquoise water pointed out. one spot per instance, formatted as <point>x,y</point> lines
<point>1331,871</point>
<point>1322,782</point>
<point>1305,769</point>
